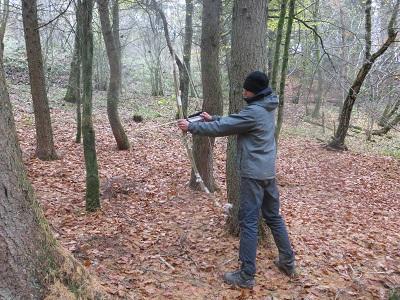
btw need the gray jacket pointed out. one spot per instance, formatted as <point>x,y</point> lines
<point>254,126</point>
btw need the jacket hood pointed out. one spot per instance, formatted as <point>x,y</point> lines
<point>266,98</point>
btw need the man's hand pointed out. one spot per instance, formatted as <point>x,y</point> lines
<point>206,116</point>
<point>183,124</point>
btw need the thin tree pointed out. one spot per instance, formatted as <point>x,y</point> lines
<point>370,58</point>
<point>89,142</point>
<point>181,67</point>
<point>116,34</point>
<point>73,94</point>
<point>33,265</point>
<point>285,61</point>
<point>278,42</point>
<point>248,46</point>
<point>113,47</point>
<point>44,134</point>
<point>4,13</point>
<point>73,89</point>
<point>318,94</point>
<point>212,91</point>
<point>187,51</point>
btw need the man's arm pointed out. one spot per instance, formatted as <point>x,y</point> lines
<point>223,126</point>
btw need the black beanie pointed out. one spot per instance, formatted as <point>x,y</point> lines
<point>256,82</point>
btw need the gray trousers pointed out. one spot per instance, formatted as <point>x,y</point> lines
<point>255,195</point>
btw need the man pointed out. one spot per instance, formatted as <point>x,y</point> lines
<point>254,126</point>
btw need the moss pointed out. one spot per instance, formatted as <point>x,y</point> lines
<point>394,294</point>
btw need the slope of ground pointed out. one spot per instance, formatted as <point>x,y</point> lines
<point>156,239</point>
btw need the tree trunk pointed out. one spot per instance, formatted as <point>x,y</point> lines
<point>73,89</point>
<point>389,112</point>
<point>31,260</point>
<point>318,95</point>
<point>249,25</point>
<point>285,60</point>
<point>278,42</point>
<point>89,142</point>
<point>345,115</point>
<point>388,125</point>
<point>343,65</point>
<point>101,71</point>
<point>187,51</point>
<point>73,94</point>
<point>44,134</point>
<point>114,86</point>
<point>5,11</point>
<point>212,91</point>
<point>180,64</point>
<point>117,41</point>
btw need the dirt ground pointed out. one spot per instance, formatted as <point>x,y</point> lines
<point>154,238</point>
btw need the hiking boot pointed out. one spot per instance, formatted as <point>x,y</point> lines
<point>240,279</point>
<point>287,269</point>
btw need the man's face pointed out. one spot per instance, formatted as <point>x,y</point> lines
<point>247,94</point>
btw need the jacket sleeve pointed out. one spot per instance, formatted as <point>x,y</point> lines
<point>223,126</point>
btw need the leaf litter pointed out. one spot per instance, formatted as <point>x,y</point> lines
<point>154,238</point>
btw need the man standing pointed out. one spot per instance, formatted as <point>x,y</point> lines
<point>254,126</point>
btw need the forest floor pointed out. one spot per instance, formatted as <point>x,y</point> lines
<point>154,238</point>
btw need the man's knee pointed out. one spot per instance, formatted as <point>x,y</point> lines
<point>249,225</point>
<point>274,221</point>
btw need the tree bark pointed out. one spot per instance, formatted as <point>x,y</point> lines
<point>212,91</point>
<point>278,42</point>
<point>337,141</point>
<point>285,60</point>
<point>181,67</point>
<point>249,25</point>
<point>116,35</point>
<point>389,112</point>
<point>187,51</point>
<point>44,134</point>
<point>114,85</point>
<point>5,11</point>
<point>78,38</point>
<point>89,142</point>
<point>318,95</point>
<point>31,260</point>
<point>388,125</point>
<point>73,90</point>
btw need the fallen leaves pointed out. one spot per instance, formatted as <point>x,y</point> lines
<point>155,238</point>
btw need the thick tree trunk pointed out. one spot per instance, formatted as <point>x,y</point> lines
<point>278,42</point>
<point>187,51</point>
<point>114,85</point>
<point>345,115</point>
<point>249,25</point>
<point>89,143</point>
<point>31,261</point>
<point>285,60</point>
<point>44,134</point>
<point>212,91</point>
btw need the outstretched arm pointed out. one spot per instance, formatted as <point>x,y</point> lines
<point>229,125</point>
